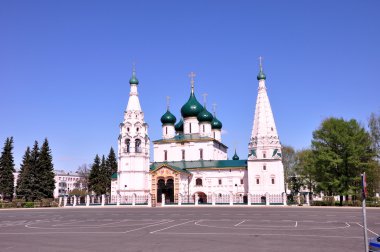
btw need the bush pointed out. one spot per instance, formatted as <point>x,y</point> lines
<point>29,204</point>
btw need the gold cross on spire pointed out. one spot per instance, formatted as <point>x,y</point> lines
<point>191,76</point>
<point>204,98</point>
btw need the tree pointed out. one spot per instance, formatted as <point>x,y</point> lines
<point>24,177</point>
<point>7,168</point>
<point>35,186</point>
<point>305,168</point>
<point>374,130</point>
<point>342,151</point>
<point>46,171</point>
<point>111,164</point>
<point>83,173</point>
<point>289,161</point>
<point>95,177</point>
<point>104,178</point>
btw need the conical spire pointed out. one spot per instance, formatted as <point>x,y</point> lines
<point>264,132</point>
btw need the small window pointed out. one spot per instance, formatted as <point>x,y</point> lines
<point>183,154</point>
<point>272,181</point>
<point>166,130</point>
<point>214,134</point>
<point>137,129</point>
<point>241,181</point>
<point>165,155</point>
<point>198,182</point>
<point>257,181</point>
<point>128,129</point>
<point>264,167</point>
<point>264,155</point>
<point>201,154</point>
<point>219,181</point>
<point>190,127</point>
<point>203,128</point>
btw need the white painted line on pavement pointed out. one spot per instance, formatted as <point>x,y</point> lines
<point>240,223</point>
<point>171,226</point>
<point>368,229</point>
<point>296,224</point>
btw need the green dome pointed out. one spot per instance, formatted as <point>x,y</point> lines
<point>261,75</point>
<point>168,118</point>
<point>133,80</point>
<point>216,124</point>
<point>179,126</point>
<point>235,157</point>
<point>192,107</point>
<point>205,116</point>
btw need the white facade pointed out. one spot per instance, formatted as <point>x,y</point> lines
<point>191,159</point>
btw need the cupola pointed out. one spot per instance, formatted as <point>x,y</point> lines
<point>168,118</point>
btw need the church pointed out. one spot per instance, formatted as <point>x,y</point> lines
<point>190,164</point>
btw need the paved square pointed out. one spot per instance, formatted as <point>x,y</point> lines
<point>186,229</point>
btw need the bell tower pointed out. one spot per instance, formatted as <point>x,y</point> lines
<point>265,169</point>
<point>133,146</point>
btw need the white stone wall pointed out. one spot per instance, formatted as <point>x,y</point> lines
<point>211,151</point>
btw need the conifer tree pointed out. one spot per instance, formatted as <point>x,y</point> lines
<point>7,168</point>
<point>111,168</point>
<point>35,188</point>
<point>46,171</point>
<point>104,178</point>
<point>24,178</point>
<point>94,178</point>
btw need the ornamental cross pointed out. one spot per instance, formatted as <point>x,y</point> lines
<point>191,76</point>
<point>214,108</point>
<point>167,102</point>
<point>204,98</point>
<point>261,65</point>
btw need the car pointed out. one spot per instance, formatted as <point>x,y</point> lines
<point>374,244</point>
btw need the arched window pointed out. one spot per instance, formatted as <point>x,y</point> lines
<point>257,180</point>
<point>138,145</point>
<point>264,167</point>
<point>273,179</point>
<point>198,182</point>
<point>128,144</point>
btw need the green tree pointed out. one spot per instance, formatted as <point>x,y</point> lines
<point>24,177</point>
<point>342,151</point>
<point>289,161</point>
<point>104,178</point>
<point>95,177</point>
<point>374,130</point>
<point>46,171</point>
<point>111,164</point>
<point>7,168</point>
<point>35,185</point>
<point>306,169</point>
<point>84,174</point>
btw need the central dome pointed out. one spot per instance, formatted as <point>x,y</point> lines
<point>191,108</point>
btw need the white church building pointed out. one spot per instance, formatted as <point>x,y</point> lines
<point>190,164</point>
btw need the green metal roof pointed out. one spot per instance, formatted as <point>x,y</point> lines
<point>157,165</point>
<point>168,118</point>
<point>203,164</point>
<point>192,107</point>
<point>188,138</point>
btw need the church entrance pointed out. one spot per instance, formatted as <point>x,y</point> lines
<point>202,198</point>
<point>166,188</point>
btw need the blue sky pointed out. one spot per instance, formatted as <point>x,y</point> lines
<point>65,66</point>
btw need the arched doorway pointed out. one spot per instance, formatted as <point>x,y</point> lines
<point>202,198</point>
<point>166,188</point>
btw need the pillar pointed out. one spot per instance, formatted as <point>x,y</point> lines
<point>267,203</point>
<point>118,199</point>
<point>163,200</point>
<point>149,200</point>
<point>213,199</point>
<point>231,199</point>
<point>179,199</point>
<point>196,198</point>
<point>284,198</point>
<point>103,199</point>
<point>249,199</point>
<point>307,199</point>
<point>74,200</point>
<point>65,201</point>
<point>59,201</point>
<point>87,200</point>
<point>298,198</point>
<point>134,199</point>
